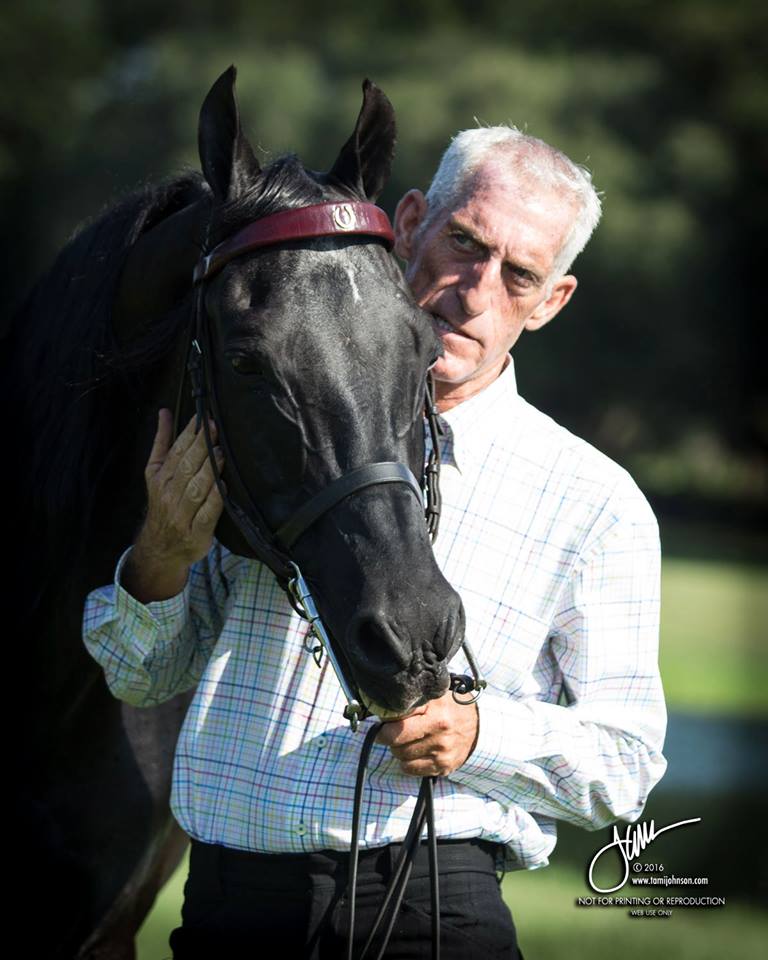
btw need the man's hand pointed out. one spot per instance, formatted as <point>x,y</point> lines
<point>183,507</point>
<point>434,741</point>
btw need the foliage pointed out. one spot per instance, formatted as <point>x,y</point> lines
<point>664,101</point>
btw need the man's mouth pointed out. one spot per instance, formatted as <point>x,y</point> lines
<point>442,326</point>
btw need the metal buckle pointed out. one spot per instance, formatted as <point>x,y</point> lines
<point>202,267</point>
<point>304,605</point>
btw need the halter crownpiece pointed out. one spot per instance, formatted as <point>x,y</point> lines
<point>319,220</point>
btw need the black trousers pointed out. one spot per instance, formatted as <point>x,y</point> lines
<point>250,906</point>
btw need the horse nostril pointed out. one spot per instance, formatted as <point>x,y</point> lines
<point>376,646</point>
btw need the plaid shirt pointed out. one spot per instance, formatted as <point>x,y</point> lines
<point>555,554</point>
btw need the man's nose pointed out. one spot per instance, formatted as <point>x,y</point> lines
<point>478,286</point>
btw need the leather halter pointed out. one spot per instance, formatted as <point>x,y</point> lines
<point>327,219</point>
<point>319,220</point>
<point>347,218</point>
<point>367,476</point>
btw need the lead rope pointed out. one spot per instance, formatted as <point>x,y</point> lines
<point>424,810</point>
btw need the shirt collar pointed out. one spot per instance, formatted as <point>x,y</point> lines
<point>468,426</point>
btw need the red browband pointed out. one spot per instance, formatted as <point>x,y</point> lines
<point>319,220</point>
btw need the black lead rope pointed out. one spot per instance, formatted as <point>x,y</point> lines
<point>423,811</point>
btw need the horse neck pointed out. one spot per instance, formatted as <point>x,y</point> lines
<point>157,274</point>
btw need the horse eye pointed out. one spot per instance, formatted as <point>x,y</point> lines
<point>245,365</point>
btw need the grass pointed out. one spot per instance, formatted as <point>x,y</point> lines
<point>152,941</point>
<point>551,926</point>
<point>714,655</point>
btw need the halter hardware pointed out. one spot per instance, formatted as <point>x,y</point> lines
<point>304,605</point>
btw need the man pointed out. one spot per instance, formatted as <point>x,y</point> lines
<point>553,550</point>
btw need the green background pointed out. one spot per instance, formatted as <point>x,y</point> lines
<point>659,361</point>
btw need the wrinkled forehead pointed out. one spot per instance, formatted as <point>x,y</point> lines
<point>518,187</point>
<point>522,220</point>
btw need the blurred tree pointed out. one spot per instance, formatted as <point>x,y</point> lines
<point>664,101</point>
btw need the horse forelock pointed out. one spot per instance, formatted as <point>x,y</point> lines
<point>284,185</point>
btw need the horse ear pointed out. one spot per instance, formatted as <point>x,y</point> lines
<point>226,157</point>
<point>365,159</point>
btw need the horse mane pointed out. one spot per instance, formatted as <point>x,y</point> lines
<point>77,390</point>
<point>284,185</point>
<point>71,404</point>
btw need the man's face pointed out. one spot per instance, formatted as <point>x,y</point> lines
<point>483,271</point>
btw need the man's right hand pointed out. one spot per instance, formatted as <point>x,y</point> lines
<point>183,508</point>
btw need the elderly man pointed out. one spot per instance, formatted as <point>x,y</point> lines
<point>554,552</point>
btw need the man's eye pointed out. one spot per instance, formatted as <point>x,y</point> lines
<point>464,241</point>
<point>519,277</point>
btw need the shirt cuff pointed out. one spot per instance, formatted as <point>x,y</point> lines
<point>506,737</point>
<point>157,616</point>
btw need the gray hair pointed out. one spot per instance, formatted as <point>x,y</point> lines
<point>533,163</point>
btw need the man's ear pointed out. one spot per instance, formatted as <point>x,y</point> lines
<point>409,214</point>
<point>561,292</point>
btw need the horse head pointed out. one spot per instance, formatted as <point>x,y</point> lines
<point>319,359</point>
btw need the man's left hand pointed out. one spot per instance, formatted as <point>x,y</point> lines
<point>435,741</point>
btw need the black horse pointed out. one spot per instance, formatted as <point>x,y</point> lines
<point>320,359</point>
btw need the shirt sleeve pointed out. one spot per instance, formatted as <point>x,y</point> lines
<point>151,652</point>
<point>593,759</point>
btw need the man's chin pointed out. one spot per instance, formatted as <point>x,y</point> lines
<point>456,382</point>
<point>449,370</point>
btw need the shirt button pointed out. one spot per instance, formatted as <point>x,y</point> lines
<point>321,741</point>
<point>301,829</point>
